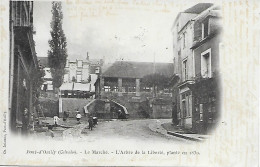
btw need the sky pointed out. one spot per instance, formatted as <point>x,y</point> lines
<point>112,29</point>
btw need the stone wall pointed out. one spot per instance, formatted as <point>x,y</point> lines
<point>49,107</point>
<point>140,106</point>
<point>72,104</point>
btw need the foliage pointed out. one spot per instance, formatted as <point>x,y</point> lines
<point>74,79</point>
<point>158,80</point>
<point>57,54</point>
<point>206,86</point>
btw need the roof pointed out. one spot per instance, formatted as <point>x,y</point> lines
<point>82,87</point>
<point>77,86</point>
<point>43,61</point>
<point>66,86</point>
<point>130,69</point>
<point>198,8</point>
<point>213,12</point>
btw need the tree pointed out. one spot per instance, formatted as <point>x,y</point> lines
<point>57,54</point>
<point>157,81</point>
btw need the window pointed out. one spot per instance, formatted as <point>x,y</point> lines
<point>85,65</point>
<point>201,112</point>
<point>206,64</point>
<point>184,40</point>
<point>79,63</point>
<point>131,89</point>
<point>185,70</point>
<point>183,102</point>
<point>107,88</point>
<point>97,70</point>
<point>146,89</point>
<point>186,102</point>
<point>205,29</point>
<point>115,89</point>
<point>78,76</point>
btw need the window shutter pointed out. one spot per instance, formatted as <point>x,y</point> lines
<point>197,31</point>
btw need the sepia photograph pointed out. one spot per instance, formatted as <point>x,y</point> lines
<point>127,82</point>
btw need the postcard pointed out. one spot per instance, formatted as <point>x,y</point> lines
<point>129,83</point>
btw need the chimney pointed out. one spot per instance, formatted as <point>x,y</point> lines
<point>87,56</point>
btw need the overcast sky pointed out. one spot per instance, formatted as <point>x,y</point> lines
<point>110,30</point>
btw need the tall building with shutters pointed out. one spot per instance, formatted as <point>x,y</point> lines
<point>192,29</point>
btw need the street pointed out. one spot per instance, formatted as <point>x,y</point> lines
<point>143,130</point>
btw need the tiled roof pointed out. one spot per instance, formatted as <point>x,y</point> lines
<point>130,69</point>
<point>43,61</point>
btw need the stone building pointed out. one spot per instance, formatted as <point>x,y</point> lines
<point>23,64</point>
<point>122,82</point>
<point>189,30</point>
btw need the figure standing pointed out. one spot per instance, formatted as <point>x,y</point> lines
<point>55,120</point>
<point>64,116</point>
<point>90,122</point>
<point>78,116</point>
<point>49,132</point>
<point>25,121</point>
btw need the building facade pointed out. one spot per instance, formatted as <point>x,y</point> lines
<point>189,29</point>
<point>23,64</point>
<point>207,87</point>
<point>80,77</point>
<point>47,85</point>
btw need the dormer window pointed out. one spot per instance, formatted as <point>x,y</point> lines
<point>205,28</point>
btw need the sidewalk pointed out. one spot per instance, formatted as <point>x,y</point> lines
<point>166,128</point>
<point>183,133</point>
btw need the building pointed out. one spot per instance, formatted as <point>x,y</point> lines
<point>206,89</point>
<point>80,76</point>
<point>23,64</point>
<point>123,83</point>
<point>189,30</point>
<point>47,85</point>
